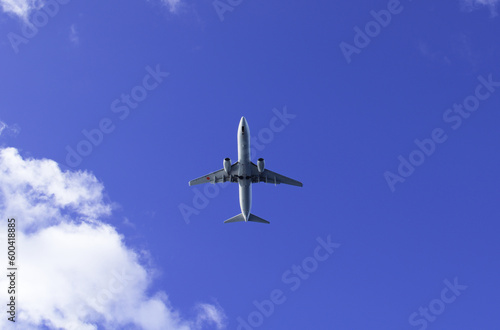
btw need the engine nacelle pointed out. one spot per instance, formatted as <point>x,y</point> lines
<point>227,166</point>
<point>260,165</point>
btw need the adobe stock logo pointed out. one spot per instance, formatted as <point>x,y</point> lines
<point>117,283</point>
<point>362,38</point>
<point>293,276</point>
<point>38,19</point>
<point>94,137</point>
<point>437,306</point>
<point>454,116</point>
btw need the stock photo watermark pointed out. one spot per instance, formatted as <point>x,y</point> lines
<point>121,106</point>
<point>38,20</point>
<point>428,314</point>
<point>363,37</point>
<point>12,273</point>
<point>454,117</point>
<point>265,136</point>
<point>293,277</point>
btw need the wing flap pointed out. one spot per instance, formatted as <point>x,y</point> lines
<point>217,176</point>
<point>268,176</point>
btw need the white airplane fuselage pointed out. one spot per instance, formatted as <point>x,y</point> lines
<point>245,168</point>
<point>245,173</point>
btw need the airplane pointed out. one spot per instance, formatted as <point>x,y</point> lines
<point>244,172</point>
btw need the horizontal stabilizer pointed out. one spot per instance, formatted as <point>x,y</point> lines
<point>255,218</point>
<point>236,218</point>
<point>240,217</point>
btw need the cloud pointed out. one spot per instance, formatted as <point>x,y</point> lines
<point>212,314</point>
<point>20,8</point>
<point>432,54</point>
<point>457,48</point>
<point>172,4</point>
<point>2,127</point>
<point>73,35</point>
<point>23,8</point>
<point>470,5</point>
<point>9,130</point>
<point>45,195</point>
<point>75,270</point>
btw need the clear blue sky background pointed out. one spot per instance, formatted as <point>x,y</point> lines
<point>352,122</point>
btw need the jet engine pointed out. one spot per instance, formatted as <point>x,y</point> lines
<point>260,165</point>
<point>227,166</point>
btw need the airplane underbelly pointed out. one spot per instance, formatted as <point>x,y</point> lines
<point>245,196</point>
<point>243,154</point>
<point>244,147</point>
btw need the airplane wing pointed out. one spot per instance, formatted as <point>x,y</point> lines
<point>272,177</point>
<point>217,176</point>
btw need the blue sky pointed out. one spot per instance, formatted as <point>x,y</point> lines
<point>387,111</point>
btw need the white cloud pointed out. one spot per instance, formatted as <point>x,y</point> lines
<point>23,8</point>
<point>212,314</point>
<point>14,130</point>
<point>73,35</point>
<point>44,194</point>
<point>172,4</point>
<point>20,8</point>
<point>9,130</point>
<point>469,5</point>
<point>2,126</point>
<point>432,54</point>
<point>75,271</point>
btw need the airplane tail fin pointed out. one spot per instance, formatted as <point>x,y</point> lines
<point>240,217</point>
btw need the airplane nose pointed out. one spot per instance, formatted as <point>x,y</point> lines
<point>243,121</point>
